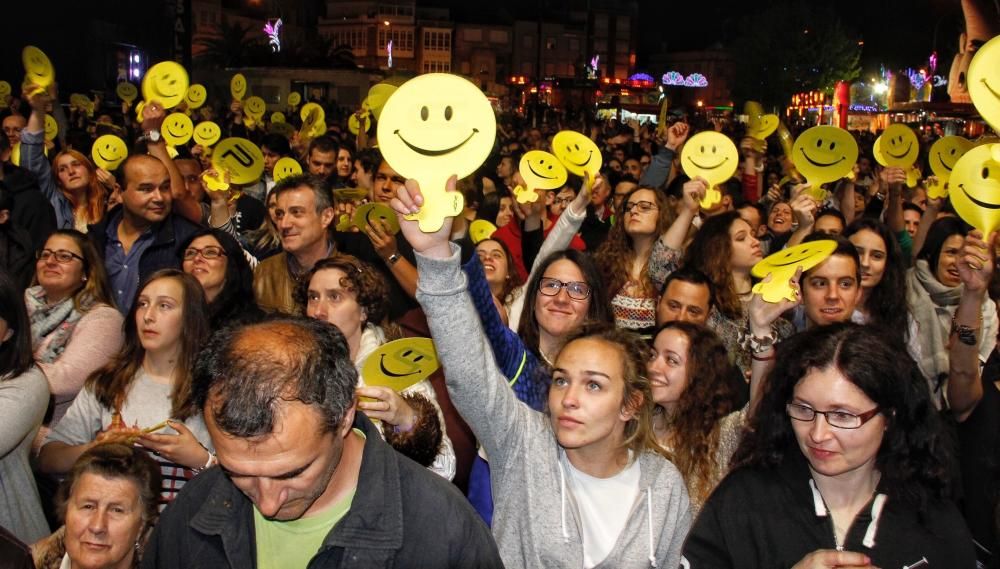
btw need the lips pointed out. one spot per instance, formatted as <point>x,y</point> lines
<point>821,454</point>
<point>568,422</point>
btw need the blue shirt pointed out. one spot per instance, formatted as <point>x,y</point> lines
<point>123,269</point>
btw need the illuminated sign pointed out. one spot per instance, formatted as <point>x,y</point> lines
<point>678,80</point>
<point>273,31</point>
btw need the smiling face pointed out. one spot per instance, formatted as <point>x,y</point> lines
<point>824,154</point>
<point>975,189</point>
<point>541,170</point>
<point>668,374</point>
<point>684,301</point>
<point>109,152</point>
<point>577,153</point>
<point>211,273</point>
<point>831,451</point>
<point>899,146</point>
<point>873,254</point>
<point>177,129</point>
<point>944,154</point>
<point>301,227</point>
<point>586,397</point>
<point>984,82</point>
<point>436,122</point>
<point>103,522</point>
<point>711,155</point>
<point>60,280</point>
<point>166,82</point>
<point>494,261</point>
<point>344,163</point>
<point>559,315</point>
<point>830,291</point>
<point>146,197</point>
<point>207,133</point>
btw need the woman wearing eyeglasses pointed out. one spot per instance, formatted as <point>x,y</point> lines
<point>75,328</point>
<point>219,263</point>
<point>844,465</point>
<point>624,258</point>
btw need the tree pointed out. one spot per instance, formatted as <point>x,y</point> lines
<point>231,46</point>
<point>791,47</point>
<point>342,57</point>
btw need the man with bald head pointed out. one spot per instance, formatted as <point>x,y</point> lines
<point>141,235</point>
<point>304,477</point>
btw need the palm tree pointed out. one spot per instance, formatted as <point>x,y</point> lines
<point>342,57</point>
<point>231,46</point>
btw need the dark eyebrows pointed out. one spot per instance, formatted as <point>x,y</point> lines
<point>282,476</point>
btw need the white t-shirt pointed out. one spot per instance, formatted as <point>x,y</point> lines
<point>604,505</point>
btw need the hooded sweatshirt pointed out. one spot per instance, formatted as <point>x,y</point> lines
<point>536,521</point>
<point>760,518</point>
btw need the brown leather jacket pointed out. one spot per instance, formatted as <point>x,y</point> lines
<point>274,286</point>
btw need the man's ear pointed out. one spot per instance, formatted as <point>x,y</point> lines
<point>348,422</point>
<point>326,217</point>
<point>4,216</point>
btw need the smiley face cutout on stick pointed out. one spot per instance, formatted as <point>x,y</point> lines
<point>481,229</point>
<point>824,154</point>
<point>432,127</point>
<point>942,157</point>
<point>713,157</point>
<point>400,364</point>
<point>984,82</point>
<point>206,133</point>
<point>38,69</point>
<point>109,152</point>
<point>286,167</point>
<point>238,87</point>
<point>166,82</point>
<point>127,92</point>
<point>974,187</point>
<point>195,96</point>
<point>371,213</point>
<point>782,266</point>
<point>541,171</point>
<point>898,146</point>
<point>577,153</point>
<point>241,158</point>
<point>177,129</point>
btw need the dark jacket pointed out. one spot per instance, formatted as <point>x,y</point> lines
<point>402,516</point>
<point>32,210</point>
<point>771,519</point>
<point>162,253</point>
<point>17,254</point>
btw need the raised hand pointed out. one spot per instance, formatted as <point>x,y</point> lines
<point>975,268</point>
<point>408,200</point>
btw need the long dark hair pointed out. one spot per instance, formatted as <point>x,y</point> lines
<point>110,384</point>
<point>914,455</point>
<point>237,288</point>
<point>599,311</point>
<point>15,354</point>
<point>711,252</point>
<point>886,303</point>
<point>939,232</point>
<point>615,256</point>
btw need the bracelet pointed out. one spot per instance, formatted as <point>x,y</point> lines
<point>212,461</point>
<point>966,334</point>
<point>393,259</point>
<point>759,345</point>
<point>758,358</point>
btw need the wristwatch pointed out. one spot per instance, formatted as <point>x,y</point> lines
<point>151,136</point>
<point>393,259</point>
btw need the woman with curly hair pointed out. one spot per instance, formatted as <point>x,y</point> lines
<point>845,463</point>
<point>354,296</point>
<point>623,258</point>
<point>883,277</point>
<point>694,417</point>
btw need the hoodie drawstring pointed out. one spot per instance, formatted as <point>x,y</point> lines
<point>649,524</point>
<point>562,502</point>
<point>877,506</point>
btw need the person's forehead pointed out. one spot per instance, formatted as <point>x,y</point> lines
<point>292,442</point>
<point>691,293</point>
<point>320,156</point>
<point>385,169</point>
<point>835,267</point>
<point>297,196</point>
<point>624,187</point>
<point>188,166</point>
<point>146,169</point>
<point>15,121</point>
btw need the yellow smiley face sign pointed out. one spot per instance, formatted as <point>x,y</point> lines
<point>432,127</point>
<point>109,152</point>
<point>238,87</point>
<point>177,129</point>
<point>37,67</point>
<point>127,92</point>
<point>759,125</point>
<point>577,153</point>
<point>206,133</point>
<point>481,229</point>
<point>400,364</point>
<point>984,82</point>
<point>377,97</point>
<point>311,115</point>
<point>354,125</point>
<point>286,167</point>
<point>4,89</point>
<point>215,181</point>
<point>974,188</point>
<point>51,127</point>
<point>824,154</point>
<point>542,171</point>
<point>898,146</point>
<point>294,99</point>
<point>944,154</point>
<point>782,266</point>
<point>166,82</point>
<point>241,158</point>
<point>255,108</point>
<point>525,195</point>
<point>277,117</point>
<point>196,96</point>
<point>371,213</point>
<point>710,155</point>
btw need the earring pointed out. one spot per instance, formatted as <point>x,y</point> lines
<point>85,278</point>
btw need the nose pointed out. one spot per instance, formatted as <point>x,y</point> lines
<point>98,522</point>
<point>270,497</point>
<point>569,398</point>
<point>820,430</point>
<point>148,315</point>
<point>832,292</point>
<point>284,222</point>
<point>320,312</point>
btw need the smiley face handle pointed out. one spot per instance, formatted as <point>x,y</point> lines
<point>409,202</point>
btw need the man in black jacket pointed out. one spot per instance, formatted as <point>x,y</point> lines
<point>303,478</point>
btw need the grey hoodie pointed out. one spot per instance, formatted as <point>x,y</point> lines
<point>536,522</point>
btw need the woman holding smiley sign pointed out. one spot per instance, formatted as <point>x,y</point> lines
<point>600,491</point>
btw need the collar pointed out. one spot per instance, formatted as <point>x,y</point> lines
<point>375,520</point>
<point>295,270</point>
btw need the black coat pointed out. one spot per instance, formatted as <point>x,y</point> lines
<point>32,210</point>
<point>770,519</point>
<point>402,516</point>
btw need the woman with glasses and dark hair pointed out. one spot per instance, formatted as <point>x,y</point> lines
<point>624,258</point>
<point>219,263</point>
<point>75,327</point>
<point>845,463</point>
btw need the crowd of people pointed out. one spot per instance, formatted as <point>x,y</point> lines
<point>183,383</point>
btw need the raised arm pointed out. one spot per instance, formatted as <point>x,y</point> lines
<point>183,203</point>
<point>975,268</point>
<point>764,335</point>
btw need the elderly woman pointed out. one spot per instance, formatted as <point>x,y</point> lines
<point>108,503</point>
